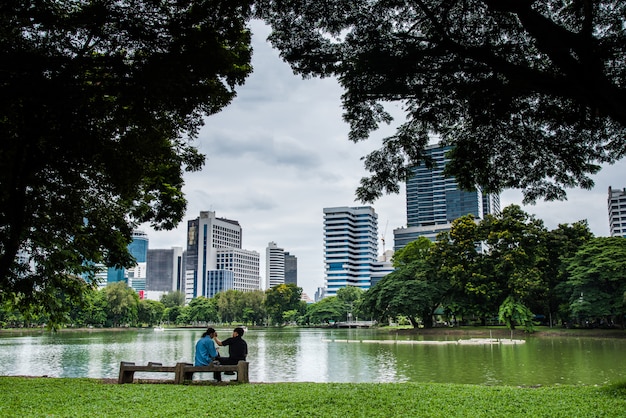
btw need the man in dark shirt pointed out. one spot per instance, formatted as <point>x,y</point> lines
<point>237,350</point>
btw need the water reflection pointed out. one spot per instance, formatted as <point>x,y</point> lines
<point>317,355</point>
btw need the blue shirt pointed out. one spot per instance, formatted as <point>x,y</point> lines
<point>205,351</point>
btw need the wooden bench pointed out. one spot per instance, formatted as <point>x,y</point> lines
<point>185,371</point>
<point>182,371</point>
<point>128,369</point>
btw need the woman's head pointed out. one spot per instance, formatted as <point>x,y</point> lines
<point>209,331</point>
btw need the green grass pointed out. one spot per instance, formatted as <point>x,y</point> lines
<point>54,397</point>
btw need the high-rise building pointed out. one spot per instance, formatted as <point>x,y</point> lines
<point>350,247</point>
<point>291,269</point>
<point>164,272</point>
<point>274,265</point>
<point>434,201</point>
<point>617,212</point>
<point>135,276</point>
<point>207,237</point>
<point>245,265</point>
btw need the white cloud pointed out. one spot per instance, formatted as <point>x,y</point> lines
<point>279,154</point>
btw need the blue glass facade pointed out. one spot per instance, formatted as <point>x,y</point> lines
<point>138,248</point>
<point>433,201</point>
<point>218,281</point>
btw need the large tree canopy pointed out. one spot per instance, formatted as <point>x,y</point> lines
<point>530,93</point>
<point>98,102</point>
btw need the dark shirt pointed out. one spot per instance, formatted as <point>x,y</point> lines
<point>237,347</point>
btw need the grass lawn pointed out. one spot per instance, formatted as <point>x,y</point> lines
<point>71,397</point>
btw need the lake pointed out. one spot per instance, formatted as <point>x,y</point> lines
<point>325,355</point>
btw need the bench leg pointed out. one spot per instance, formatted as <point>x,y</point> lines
<point>126,376</point>
<point>180,375</point>
<point>242,372</point>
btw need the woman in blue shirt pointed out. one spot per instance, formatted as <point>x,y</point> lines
<point>205,348</point>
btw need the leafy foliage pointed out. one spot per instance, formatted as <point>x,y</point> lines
<point>597,281</point>
<point>282,298</point>
<point>531,94</point>
<point>413,290</point>
<point>513,313</point>
<point>122,302</point>
<point>98,102</point>
<point>202,309</point>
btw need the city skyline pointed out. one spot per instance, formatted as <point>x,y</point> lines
<point>279,154</point>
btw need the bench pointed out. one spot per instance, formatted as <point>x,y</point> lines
<point>185,371</point>
<point>128,369</point>
<point>182,371</point>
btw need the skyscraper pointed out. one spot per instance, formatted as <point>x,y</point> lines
<point>274,265</point>
<point>617,212</point>
<point>350,247</point>
<point>434,201</point>
<point>207,237</point>
<point>291,269</point>
<point>164,272</point>
<point>135,276</point>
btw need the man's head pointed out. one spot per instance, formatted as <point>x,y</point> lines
<point>238,331</point>
<point>210,332</point>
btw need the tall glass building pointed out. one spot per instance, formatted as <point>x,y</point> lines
<point>291,269</point>
<point>135,276</point>
<point>350,247</point>
<point>434,201</point>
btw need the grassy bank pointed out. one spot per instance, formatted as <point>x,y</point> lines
<point>53,397</point>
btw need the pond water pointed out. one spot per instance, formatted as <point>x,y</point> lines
<point>325,355</point>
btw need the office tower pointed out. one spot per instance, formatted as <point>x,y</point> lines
<point>165,270</point>
<point>350,247</point>
<point>138,248</point>
<point>207,235</point>
<point>244,264</point>
<point>433,201</point>
<point>135,276</point>
<point>291,269</point>
<point>274,265</point>
<point>617,212</point>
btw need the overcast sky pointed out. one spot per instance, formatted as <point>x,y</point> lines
<point>279,154</point>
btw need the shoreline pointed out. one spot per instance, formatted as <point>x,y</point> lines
<point>481,332</point>
<point>501,332</point>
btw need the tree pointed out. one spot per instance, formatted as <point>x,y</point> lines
<point>98,103</point>
<point>282,298</point>
<point>203,309</point>
<point>172,315</point>
<point>122,304</point>
<point>513,313</point>
<point>471,292</point>
<point>351,297</point>
<point>253,307</point>
<point>229,305</point>
<point>561,244</point>
<point>414,289</point>
<point>597,281</point>
<point>150,312</point>
<point>174,298</point>
<point>497,259</point>
<point>327,310</point>
<point>530,93</point>
<point>515,254</point>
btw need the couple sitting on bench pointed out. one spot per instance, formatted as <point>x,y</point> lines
<point>206,351</point>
